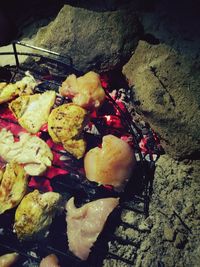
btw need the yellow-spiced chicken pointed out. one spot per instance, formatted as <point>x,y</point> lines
<point>32,111</point>
<point>35,213</point>
<point>65,125</point>
<point>12,186</point>
<point>9,91</point>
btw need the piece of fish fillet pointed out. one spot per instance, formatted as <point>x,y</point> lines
<point>9,259</point>
<point>50,261</point>
<point>111,164</point>
<point>85,224</point>
<point>85,91</point>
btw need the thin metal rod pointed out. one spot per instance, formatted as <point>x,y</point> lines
<point>43,50</point>
<point>16,55</point>
<point>36,55</point>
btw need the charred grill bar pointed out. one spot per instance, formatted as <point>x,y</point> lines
<point>51,72</point>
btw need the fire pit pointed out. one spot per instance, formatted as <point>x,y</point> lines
<point>66,174</point>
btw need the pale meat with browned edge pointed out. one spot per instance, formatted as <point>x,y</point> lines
<point>85,91</point>
<point>50,261</point>
<point>32,111</point>
<point>111,164</point>
<point>9,259</point>
<point>31,151</point>
<point>86,223</point>
<point>9,91</point>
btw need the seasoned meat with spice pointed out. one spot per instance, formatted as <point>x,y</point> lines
<point>9,91</point>
<point>12,187</point>
<point>85,224</point>
<point>35,213</point>
<point>32,111</point>
<point>65,125</point>
<point>85,91</point>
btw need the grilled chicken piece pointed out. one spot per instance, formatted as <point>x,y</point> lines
<point>31,151</point>
<point>35,154</point>
<point>2,85</point>
<point>85,91</point>
<point>8,260</point>
<point>65,125</point>
<point>27,85</point>
<point>35,213</point>
<point>6,143</point>
<point>85,224</point>
<point>12,90</point>
<point>12,187</point>
<point>33,111</point>
<point>112,164</point>
<point>50,261</point>
<point>1,175</point>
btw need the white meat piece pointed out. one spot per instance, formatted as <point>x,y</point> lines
<point>112,164</point>
<point>85,224</point>
<point>30,150</point>
<point>32,111</point>
<point>12,90</point>
<point>6,141</point>
<point>50,261</point>
<point>9,259</point>
<point>85,91</point>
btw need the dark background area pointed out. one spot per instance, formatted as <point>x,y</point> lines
<point>14,15</point>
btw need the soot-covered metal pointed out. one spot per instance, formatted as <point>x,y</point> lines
<point>112,117</point>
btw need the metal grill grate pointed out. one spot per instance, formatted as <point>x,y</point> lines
<point>136,194</point>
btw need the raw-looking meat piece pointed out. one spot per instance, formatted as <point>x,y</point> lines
<point>35,213</point>
<point>9,259</point>
<point>65,125</point>
<point>85,91</point>
<point>50,261</point>
<point>32,111</point>
<point>12,187</point>
<point>85,224</point>
<point>111,164</point>
<point>31,151</point>
<point>9,91</point>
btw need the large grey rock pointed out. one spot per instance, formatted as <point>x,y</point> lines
<point>167,87</point>
<point>94,40</point>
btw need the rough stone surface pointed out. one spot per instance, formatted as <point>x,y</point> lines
<point>172,238</point>
<point>166,84</point>
<point>94,40</point>
<point>176,189</point>
<point>169,233</point>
